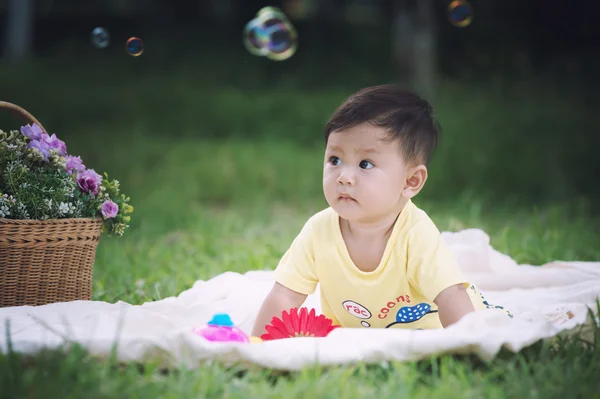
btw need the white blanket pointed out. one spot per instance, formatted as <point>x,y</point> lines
<point>546,301</point>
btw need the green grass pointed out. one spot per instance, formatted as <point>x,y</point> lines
<point>239,175</point>
<point>536,372</point>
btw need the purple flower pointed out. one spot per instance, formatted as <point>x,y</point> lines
<point>55,144</point>
<point>109,209</point>
<point>89,181</point>
<point>74,164</point>
<point>41,146</point>
<point>34,132</point>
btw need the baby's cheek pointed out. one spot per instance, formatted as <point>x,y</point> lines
<point>329,180</point>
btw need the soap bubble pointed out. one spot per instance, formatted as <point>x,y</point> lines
<point>255,38</point>
<point>271,34</point>
<point>100,37</point>
<point>135,46</point>
<point>282,41</point>
<point>460,13</point>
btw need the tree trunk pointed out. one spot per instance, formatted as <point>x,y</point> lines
<point>402,38</point>
<point>414,44</point>
<point>19,30</point>
<point>425,49</point>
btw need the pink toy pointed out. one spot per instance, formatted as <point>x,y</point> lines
<point>221,329</point>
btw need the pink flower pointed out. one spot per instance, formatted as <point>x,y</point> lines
<point>89,181</point>
<point>33,132</point>
<point>55,144</point>
<point>74,164</point>
<point>41,146</point>
<point>109,209</point>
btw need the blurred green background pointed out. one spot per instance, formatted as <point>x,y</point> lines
<point>514,92</point>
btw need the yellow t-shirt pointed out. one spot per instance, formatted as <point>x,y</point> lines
<point>416,266</point>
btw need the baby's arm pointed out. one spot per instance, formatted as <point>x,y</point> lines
<point>279,299</point>
<point>296,270</point>
<point>453,303</point>
<point>433,268</point>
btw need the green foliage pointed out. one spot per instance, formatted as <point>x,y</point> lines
<point>111,190</point>
<point>33,186</point>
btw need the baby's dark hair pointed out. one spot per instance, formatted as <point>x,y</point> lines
<point>405,116</point>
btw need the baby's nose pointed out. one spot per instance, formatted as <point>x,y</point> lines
<point>346,178</point>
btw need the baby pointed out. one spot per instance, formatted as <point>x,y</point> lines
<point>380,261</point>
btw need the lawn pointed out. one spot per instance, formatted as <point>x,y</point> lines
<point>223,177</point>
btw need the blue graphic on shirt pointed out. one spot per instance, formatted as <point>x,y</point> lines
<point>410,314</point>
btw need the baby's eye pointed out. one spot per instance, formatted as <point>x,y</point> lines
<point>365,164</point>
<point>334,160</point>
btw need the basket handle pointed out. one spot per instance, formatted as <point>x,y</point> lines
<point>21,113</point>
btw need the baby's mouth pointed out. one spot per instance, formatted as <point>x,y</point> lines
<point>346,197</point>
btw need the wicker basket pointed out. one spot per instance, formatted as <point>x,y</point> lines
<point>46,261</point>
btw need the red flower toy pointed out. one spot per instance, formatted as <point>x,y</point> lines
<point>298,323</point>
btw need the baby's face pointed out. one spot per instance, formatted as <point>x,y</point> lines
<point>363,176</point>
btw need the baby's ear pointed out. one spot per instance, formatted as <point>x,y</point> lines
<point>415,180</point>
